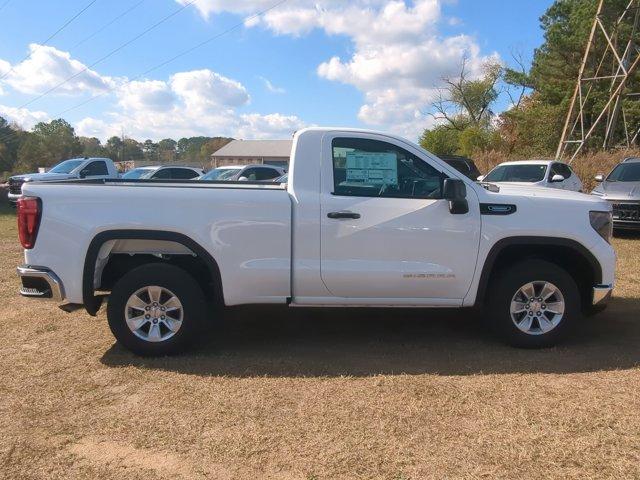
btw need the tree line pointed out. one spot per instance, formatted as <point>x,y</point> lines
<point>50,142</point>
<point>539,97</point>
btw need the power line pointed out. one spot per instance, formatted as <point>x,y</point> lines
<point>64,25</point>
<point>107,25</point>
<point>111,53</point>
<point>175,57</point>
<point>4,5</point>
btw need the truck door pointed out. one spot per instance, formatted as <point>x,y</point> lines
<point>386,232</point>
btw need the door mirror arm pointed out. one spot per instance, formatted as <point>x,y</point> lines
<point>455,191</point>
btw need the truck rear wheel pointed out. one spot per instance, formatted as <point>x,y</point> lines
<point>533,304</point>
<point>156,309</point>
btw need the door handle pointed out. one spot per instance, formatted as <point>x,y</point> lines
<point>343,214</point>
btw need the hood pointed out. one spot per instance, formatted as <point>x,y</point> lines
<point>619,190</point>
<point>34,177</point>
<point>528,190</point>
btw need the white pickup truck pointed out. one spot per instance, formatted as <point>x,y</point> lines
<point>366,219</point>
<point>73,168</point>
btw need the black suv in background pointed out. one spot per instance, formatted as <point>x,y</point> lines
<point>463,164</point>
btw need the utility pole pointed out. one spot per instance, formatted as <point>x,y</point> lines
<point>610,71</point>
<point>122,141</point>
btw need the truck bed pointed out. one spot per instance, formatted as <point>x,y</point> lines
<point>245,226</point>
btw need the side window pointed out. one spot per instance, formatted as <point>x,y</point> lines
<point>183,173</point>
<point>565,170</point>
<point>559,169</point>
<point>553,171</point>
<point>372,168</point>
<point>266,173</point>
<point>163,174</point>
<point>95,168</point>
<point>251,174</point>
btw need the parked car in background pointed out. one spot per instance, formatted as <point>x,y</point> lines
<point>163,172</point>
<point>283,179</point>
<point>251,173</point>
<point>366,219</point>
<point>73,168</point>
<point>463,164</point>
<point>621,188</point>
<point>539,173</point>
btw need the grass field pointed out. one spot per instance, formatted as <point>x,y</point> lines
<point>299,394</point>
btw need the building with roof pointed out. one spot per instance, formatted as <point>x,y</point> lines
<point>246,152</point>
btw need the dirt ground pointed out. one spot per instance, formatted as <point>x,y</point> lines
<point>298,394</point>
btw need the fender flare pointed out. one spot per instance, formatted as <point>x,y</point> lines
<point>92,302</point>
<point>504,243</point>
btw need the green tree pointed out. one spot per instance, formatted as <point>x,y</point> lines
<point>91,147</point>
<point>464,112</point>
<point>48,144</point>
<point>534,126</point>
<point>167,150</point>
<point>440,140</point>
<point>10,138</point>
<point>132,149</point>
<point>150,150</point>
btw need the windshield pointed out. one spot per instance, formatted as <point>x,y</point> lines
<point>67,166</point>
<point>220,174</point>
<point>625,172</point>
<point>136,173</point>
<point>516,173</point>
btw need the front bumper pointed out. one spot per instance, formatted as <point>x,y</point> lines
<point>626,214</point>
<point>40,282</point>
<point>601,294</point>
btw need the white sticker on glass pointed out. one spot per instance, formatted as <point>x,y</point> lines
<point>374,168</point>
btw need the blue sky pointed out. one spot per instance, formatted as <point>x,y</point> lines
<point>366,63</point>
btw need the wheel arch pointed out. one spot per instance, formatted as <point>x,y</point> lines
<point>571,255</point>
<point>93,302</point>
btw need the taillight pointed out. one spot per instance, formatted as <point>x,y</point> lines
<point>29,210</point>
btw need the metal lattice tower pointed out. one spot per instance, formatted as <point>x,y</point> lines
<point>607,71</point>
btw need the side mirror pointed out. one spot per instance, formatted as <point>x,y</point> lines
<point>243,179</point>
<point>455,191</point>
<point>480,178</point>
<point>83,173</point>
<point>599,178</point>
<point>557,178</point>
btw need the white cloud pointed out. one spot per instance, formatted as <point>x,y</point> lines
<point>198,102</point>
<point>154,95</point>
<point>47,67</point>
<point>207,7</point>
<point>204,90</point>
<point>273,125</point>
<point>271,87</point>
<point>23,117</point>
<point>399,57</point>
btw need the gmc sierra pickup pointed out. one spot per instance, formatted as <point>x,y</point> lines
<point>366,219</point>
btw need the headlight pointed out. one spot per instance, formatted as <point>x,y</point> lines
<point>602,222</point>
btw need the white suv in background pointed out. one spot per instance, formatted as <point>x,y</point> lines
<point>539,173</point>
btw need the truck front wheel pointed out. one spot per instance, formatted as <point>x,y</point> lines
<point>533,304</point>
<point>156,309</point>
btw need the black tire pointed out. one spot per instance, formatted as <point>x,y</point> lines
<point>169,277</point>
<point>508,281</point>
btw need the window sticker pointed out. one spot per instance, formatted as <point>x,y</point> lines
<point>377,168</point>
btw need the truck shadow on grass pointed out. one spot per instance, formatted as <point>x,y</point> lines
<point>279,342</point>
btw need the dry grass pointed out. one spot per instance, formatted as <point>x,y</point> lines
<point>318,394</point>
